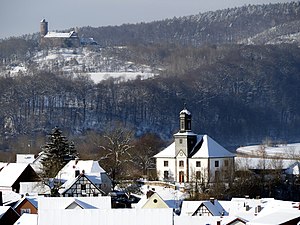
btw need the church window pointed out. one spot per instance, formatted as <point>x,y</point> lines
<point>216,163</point>
<point>198,163</point>
<point>180,141</point>
<point>198,175</point>
<point>166,163</point>
<point>166,175</point>
<point>181,163</point>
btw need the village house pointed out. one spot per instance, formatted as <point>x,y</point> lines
<point>28,204</point>
<point>86,176</point>
<point>193,157</point>
<point>13,173</point>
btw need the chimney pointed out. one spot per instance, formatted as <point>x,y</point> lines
<point>1,200</point>
<point>212,200</point>
<point>258,208</point>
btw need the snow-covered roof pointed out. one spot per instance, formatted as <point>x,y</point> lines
<point>10,197</point>
<point>27,219</point>
<point>167,152</point>
<point>10,173</point>
<point>211,149</point>
<point>206,147</point>
<point>185,111</point>
<point>59,35</point>
<point>57,203</point>
<point>3,210</point>
<point>291,166</point>
<point>279,216</point>
<point>2,164</point>
<point>289,151</point>
<point>189,207</point>
<point>81,204</point>
<point>32,199</point>
<point>90,167</point>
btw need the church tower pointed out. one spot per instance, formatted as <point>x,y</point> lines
<point>43,28</point>
<point>185,139</point>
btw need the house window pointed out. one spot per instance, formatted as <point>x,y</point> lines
<point>198,163</point>
<point>166,175</point>
<point>83,187</point>
<point>226,162</point>
<point>198,175</point>
<point>155,200</point>
<point>216,163</point>
<point>24,211</point>
<point>181,163</point>
<point>166,163</point>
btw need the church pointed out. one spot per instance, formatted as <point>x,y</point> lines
<point>192,157</point>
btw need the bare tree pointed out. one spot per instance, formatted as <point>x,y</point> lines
<point>115,151</point>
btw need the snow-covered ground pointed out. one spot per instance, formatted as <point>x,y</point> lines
<point>99,64</point>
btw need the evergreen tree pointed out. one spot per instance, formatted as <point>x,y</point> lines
<point>57,153</point>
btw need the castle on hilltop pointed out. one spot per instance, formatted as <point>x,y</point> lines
<point>57,39</point>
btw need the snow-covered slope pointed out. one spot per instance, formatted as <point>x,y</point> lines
<point>98,63</point>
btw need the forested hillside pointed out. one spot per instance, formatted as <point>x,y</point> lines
<point>237,70</point>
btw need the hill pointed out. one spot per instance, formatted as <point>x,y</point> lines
<point>237,70</point>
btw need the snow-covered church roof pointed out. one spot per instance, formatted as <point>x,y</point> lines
<point>206,147</point>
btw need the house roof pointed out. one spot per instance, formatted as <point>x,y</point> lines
<point>10,173</point>
<point>210,149</point>
<point>291,166</point>
<point>10,197</point>
<point>3,210</point>
<point>27,219</point>
<point>214,207</point>
<point>167,152</point>
<point>206,147</point>
<point>90,167</point>
<point>82,204</point>
<point>59,34</point>
<point>32,199</point>
<point>279,216</point>
<point>55,203</point>
<point>155,198</point>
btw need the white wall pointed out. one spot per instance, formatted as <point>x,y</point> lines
<point>161,168</point>
<point>106,217</point>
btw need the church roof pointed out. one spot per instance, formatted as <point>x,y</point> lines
<point>209,148</point>
<point>206,147</point>
<point>168,152</point>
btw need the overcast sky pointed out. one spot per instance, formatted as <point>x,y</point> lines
<point>19,17</point>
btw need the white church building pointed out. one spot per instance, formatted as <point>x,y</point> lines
<point>193,157</point>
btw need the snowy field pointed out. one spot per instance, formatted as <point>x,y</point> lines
<point>122,76</point>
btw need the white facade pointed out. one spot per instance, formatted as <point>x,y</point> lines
<point>193,156</point>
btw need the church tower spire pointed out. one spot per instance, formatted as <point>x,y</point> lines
<point>185,120</point>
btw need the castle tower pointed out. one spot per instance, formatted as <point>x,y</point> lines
<point>43,28</point>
